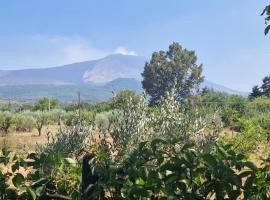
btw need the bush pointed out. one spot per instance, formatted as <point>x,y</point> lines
<point>88,117</point>
<point>230,107</point>
<point>165,169</point>
<point>71,118</point>
<point>259,105</point>
<point>43,177</point>
<point>171,119</point>
<point>250,137</point>
<point>69,142</point>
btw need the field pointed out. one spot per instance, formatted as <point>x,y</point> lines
<point>22,142</point>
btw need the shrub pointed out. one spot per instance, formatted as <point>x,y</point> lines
<point>259,105</point>
<point>166,169</point>
<point>68,141</point>
<point>171,119</point>
<point>88,117</point>
<point>71,118</point>
<point>43,177</point>
<point>250,137</point>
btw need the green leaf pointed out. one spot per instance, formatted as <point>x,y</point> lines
<point>138,191</point>
<point>250,165</point>
<point>245,173</point>
<point>18,180</point>
<point>31,193</point>
<point>187,146</point>
<point>15,166</point>
<point>40,182</point>
<point>209,159</point>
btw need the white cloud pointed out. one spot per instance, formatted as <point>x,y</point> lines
<point>123,51</point>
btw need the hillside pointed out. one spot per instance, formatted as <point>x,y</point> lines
<point>96,71</point>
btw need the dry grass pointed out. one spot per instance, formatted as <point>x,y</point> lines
<point>21,142</point>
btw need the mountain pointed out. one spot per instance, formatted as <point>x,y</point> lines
<point>96,80</point>
<point>96,71</point>
<point>221,88</point>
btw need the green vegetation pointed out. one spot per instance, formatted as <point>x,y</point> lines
<point>174,68</point>
<point>175,146</point>
<point>173,150</point>
<point>264,90</point>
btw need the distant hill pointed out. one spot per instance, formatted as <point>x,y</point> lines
<point>96,80</point>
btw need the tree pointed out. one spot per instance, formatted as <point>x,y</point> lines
<point>44,104</point>
<point>266,12</point>
<point>174,68</point>
<point>124,97</point>
<point>266,86</point>
<point>256,92</point>
<point>6,120</point>
<point>264,90</point>
<point>41,119</point>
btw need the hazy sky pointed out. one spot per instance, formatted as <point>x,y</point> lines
<point>226,34</point>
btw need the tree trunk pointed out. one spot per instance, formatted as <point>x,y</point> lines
<point>39,131</point>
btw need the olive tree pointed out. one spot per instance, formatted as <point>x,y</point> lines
<point>41,119</point>
<point>6,120</point>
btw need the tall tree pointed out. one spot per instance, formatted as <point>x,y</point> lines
<point>256,92</point>
<point>266,86</point>
<point>264,90</point>
<point>173,68</point>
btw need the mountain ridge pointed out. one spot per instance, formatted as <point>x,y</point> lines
<point>113,72</point>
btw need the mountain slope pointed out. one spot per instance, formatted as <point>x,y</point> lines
<point>97,71</point>
<point>95,79</point>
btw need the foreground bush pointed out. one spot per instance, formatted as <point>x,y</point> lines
<point>160,169</point>
<point>45,177</point>
<point>164,170</point>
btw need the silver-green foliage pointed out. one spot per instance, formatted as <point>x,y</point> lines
<point>138,122</point>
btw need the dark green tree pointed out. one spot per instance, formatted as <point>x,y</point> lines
<point>266,86</point>
<point>266,12</point>
<point>44,104</point>
<point>256,92</point>
<point>173,68</point>
<point>124,97</point>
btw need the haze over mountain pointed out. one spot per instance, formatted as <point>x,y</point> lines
<point>112,73</point>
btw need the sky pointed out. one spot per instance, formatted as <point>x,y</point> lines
<point>227,35</point>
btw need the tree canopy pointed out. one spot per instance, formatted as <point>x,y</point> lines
<point>266,12</point>
<point>264,90</point>
<point>175,68</point>
<point>44,104</point>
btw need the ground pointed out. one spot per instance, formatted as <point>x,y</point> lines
<point>21,142</point>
